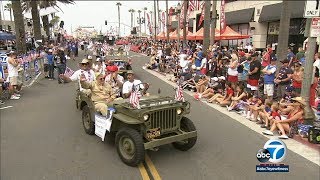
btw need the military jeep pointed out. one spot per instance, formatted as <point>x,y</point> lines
<point>158,121</point>
<point>123,63</point>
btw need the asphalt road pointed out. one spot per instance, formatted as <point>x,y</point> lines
<point>42,138</point>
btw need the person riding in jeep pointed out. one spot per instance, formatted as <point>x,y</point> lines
<point>114,79</point>
<point>101,93</point>
<point>130,84</point>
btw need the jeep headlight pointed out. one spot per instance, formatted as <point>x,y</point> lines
<point>146,117</point>
<point>179,111</point>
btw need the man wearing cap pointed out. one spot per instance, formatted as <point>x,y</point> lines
<point>88,73</point>
<point>283,79</point>
<point>129,85</point>
<point>269,75</point>
<point>101,95</point>
<point>114,79</point>
<point>13,67</point>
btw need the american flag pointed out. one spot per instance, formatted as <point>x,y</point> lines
<point>194,5</point>
<point>179,94</point>
<point>105,48</point>
<point>134,99</point>
<point>202,14</point>
<point>68,72</point>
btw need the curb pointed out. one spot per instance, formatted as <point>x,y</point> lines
<point>301,149</point>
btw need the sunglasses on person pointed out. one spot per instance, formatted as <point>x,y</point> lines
<point>84,64</point>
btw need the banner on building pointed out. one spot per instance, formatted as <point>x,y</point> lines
<point>201,15</point>
<point>223,24</point>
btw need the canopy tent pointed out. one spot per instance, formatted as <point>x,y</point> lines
<point>6,36</point>
<point>161,35</point>
<point>174,35</point>
<point>199,34</point>
<point>228,34</point>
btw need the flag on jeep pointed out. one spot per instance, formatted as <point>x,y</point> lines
<point>179,94</point>
<point>68,72</point>
<point>134,99</point>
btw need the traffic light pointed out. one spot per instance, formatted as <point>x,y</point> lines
<point>61,24</point>
<point>105,22</point>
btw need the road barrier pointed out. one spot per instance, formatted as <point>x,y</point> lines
<point>31,67</point>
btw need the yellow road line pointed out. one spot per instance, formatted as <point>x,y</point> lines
<point>152,168</point>
<point>143,172</point>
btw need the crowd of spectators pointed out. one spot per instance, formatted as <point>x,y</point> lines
<point>262,88</point>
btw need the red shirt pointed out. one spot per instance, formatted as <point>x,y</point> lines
<point>275,114</point>
<point>229,91</point>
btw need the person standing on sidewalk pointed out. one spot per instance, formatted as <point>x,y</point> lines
<point>254,73</point>
<point>60,60</point>
<point>51,64</point>
<point>13,67</point>
<point>283,78</point>
<point>269,76</point>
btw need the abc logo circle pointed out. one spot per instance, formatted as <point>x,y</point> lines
<point>277,150</point>
<point>263,155</point>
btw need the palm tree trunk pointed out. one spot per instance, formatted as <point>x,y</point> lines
<point>185,10</point>
<point>35,20</point>
<point>19,26</point>
<point>45,21</point>
<point>11,15</point>
<point>213,21</point>
<point>283,37</point>
<point>206,26</point>
<point>167,20</point>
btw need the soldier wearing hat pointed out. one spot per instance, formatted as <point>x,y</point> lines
<point>129,84</point>
<point>85,70</point>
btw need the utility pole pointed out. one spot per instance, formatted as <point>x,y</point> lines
<point>185,11</point>
<point>145,21</point>
<point>131,13</point>
<point>307,76</point>
<point>206,26</point>
<point>155,19</point>
<point>167,20</point>
<point>213,21</point>
<point>118,4</point>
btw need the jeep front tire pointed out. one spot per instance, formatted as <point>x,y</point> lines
<point>130,146</point>
<point>186,125</point>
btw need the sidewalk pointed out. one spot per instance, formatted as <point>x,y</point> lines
<point>297,144</point>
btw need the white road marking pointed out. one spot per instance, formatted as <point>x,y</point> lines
<point>6,107</point>
<point>295,146</point>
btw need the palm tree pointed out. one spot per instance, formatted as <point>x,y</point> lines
<point>283,37</point>
<point>8,7</point>
<point>19,26</point>
<point>131,11</point>
<point>167,20</point>
<point>213,22</point>
<point>206,26</point>
<point>34,6</point>
<point>145,21</point>
<point>118,4</point>
<point>185,11</point>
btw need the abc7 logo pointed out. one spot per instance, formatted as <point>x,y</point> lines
<point>274,151</point>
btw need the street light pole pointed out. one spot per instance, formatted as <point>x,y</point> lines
<point>144,16</point>
<point>118,4</point>
<point>167,20</point>
<point>178,29</point>
<point>185,11</point>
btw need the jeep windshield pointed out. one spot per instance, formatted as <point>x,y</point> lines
<point>150,102</point>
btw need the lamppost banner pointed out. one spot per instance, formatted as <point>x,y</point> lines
<point>222,17</point>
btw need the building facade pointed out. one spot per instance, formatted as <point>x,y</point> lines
<point>259,19</point>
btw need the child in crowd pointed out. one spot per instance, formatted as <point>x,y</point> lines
<point>238,99</point>
<point>285,103</point>
<point>254,109</point>
<point>225,99</point>
<point>271,116</point>
<point>265,111</point>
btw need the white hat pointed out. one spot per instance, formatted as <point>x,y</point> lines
<point>222,78</point>
<point>50,50</point>
<point>89,57</point>
<point>98,59</point>
<point>215,78</point>
<point>193,66</point>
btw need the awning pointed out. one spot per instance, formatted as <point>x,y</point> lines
<point>240,16</point>
<point>273,12</point>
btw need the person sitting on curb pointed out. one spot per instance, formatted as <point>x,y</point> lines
<point>90,76</point>
<point>294,118</point>
<point>101,93</point>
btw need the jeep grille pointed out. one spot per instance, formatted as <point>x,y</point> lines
<point>165,119</point>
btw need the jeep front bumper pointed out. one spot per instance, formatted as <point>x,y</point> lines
<point>170,139</point>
